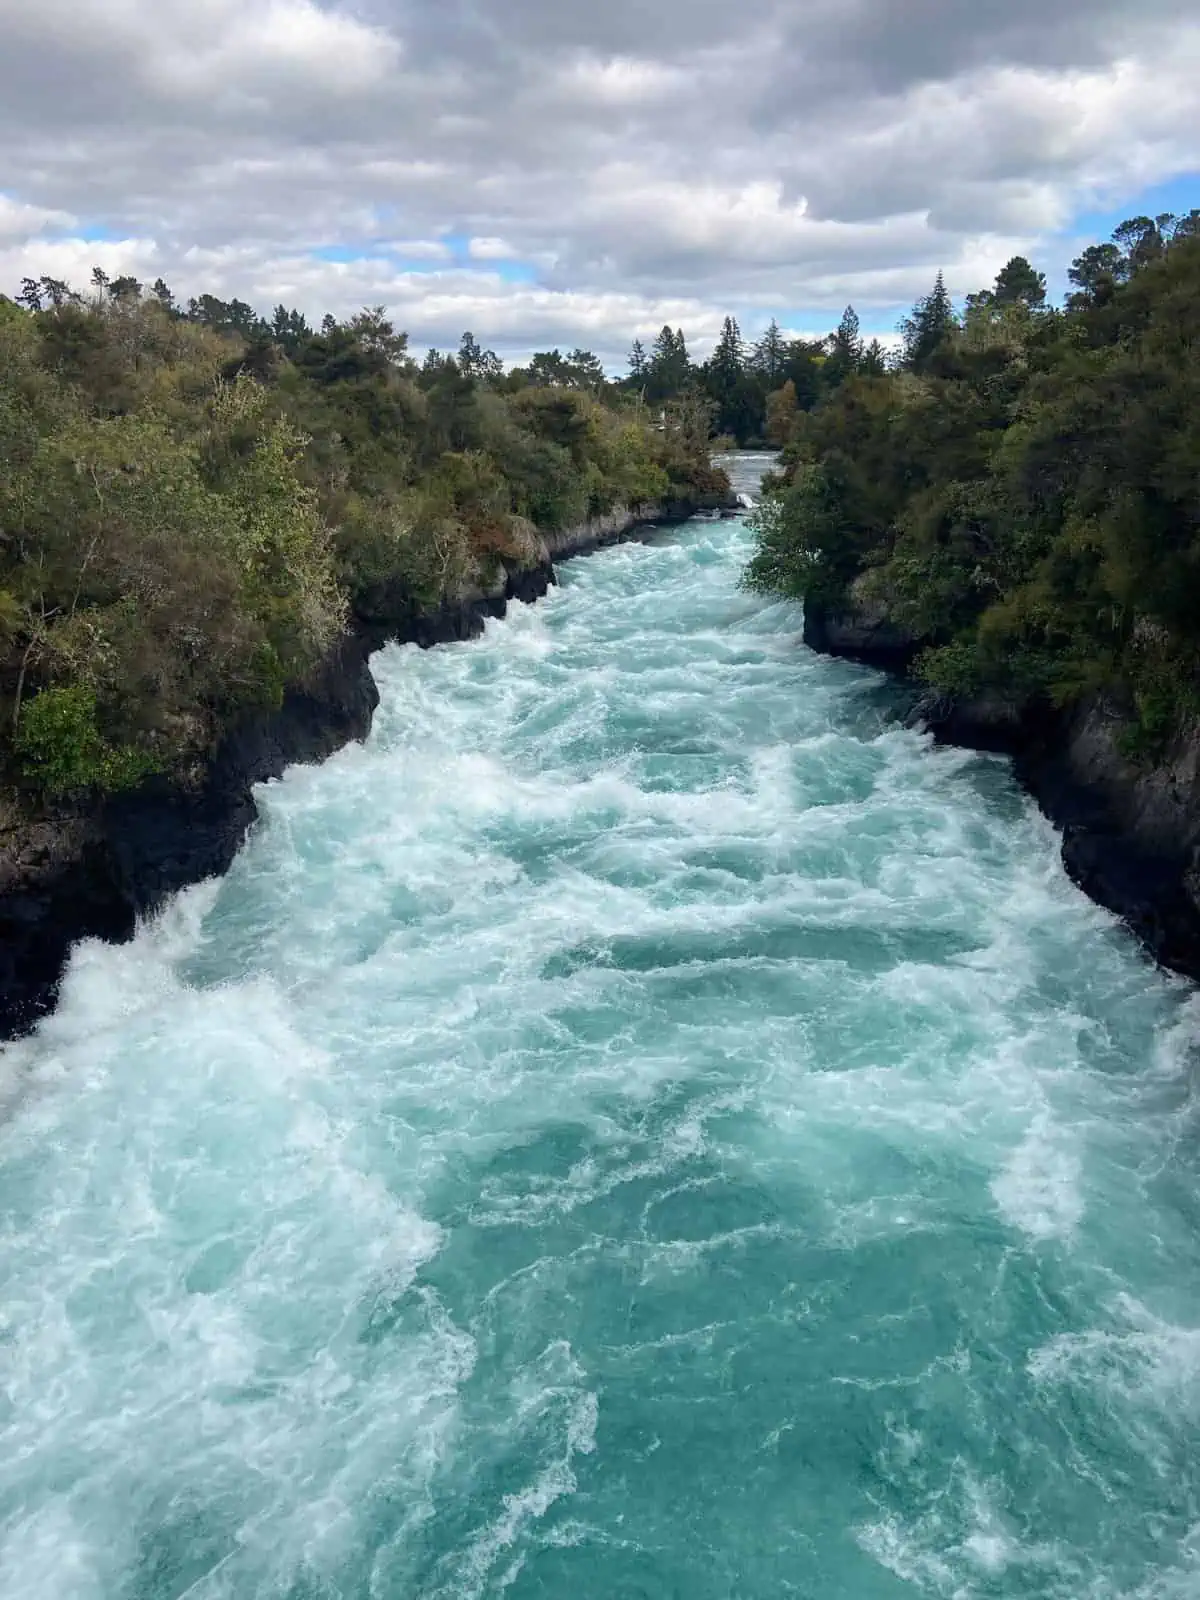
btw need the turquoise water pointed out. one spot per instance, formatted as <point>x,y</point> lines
<point>642,1126</point>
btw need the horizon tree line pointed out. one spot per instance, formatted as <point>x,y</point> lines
<point>751,388</point>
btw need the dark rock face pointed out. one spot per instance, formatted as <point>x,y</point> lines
<point>1130,830</point>
<point>92,874</point>
<point>987,723</point>
<point>863,633</point>
<point>92,877</point>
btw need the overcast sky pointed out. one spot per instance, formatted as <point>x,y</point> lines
<point>578,171</point>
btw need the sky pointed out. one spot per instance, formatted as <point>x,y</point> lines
<point>561,172</point>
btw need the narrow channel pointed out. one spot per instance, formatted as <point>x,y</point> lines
<point>644,1124</point>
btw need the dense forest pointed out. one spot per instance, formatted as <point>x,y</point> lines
<point>1020,492</point>
<point>195,502</point>
<point>753,390</point>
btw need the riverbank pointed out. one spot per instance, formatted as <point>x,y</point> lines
<point>93,872</point>
<point>1130,822</point>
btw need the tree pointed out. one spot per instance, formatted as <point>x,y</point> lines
<point>637,363</point>
<point>377,335</point>
<point>1142,239</point>
<point>60,293</point>
<point>803,367</point>
<point>930,324</point>
<point>782,412</point>
<point>1096,273</point>
<point>769,355</point>
<point>289,329</point>
<point>483,366</point>
<point>874,361</point>
<point>548,368</point>
<point>845,348</point>
<point>586,369</point>
<point>551,369</point>
<point>727,363</point>
<point>725,382</point>
<point>669,370</point>
<point>186,516</point>
<point>1018,281</point>
<point>225,316</point>
<point>1027,513</point>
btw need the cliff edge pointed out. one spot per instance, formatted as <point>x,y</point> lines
<point>1130,823</point>
<point>92,870</point>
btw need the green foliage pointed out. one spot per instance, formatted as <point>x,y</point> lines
<point>951,669</point>
<point>1019,283</point>
<point>802,548</point>
<point>61,748</point>
<point>194,501</point>
<point>738,381</point>
<point>1022,492</point>
<point>927,329</point>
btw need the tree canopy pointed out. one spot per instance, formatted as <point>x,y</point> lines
<point>195,502</point>
<point>1021,493</point>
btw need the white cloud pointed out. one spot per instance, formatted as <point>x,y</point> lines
<point>798,157</point>
<point>491,249</point>
<point>619,81</point>
<point>20,221</point>
<point>414,249</point>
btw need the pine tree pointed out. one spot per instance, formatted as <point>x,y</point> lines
<point>931,322</point>
<point>59,293</point>
<point>1142,239</point>
<point>769,356</point>
<point>669,368</point>
<point>725,381</point>
<point>845,351</point>
<point>1096,273</point>
<point>585,370</point>
<point>874,361</point>
<point>475,362</point>
<point>728,361</point>
<point>637,362</point>
<point>1019,280</point>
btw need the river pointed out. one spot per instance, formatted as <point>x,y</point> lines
<point>643,1125</point>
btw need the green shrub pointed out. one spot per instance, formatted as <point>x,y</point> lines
<point>1023,497</point>
<point>192,504</point>
<point>61,747</point>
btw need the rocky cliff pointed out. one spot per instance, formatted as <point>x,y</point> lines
<point>1130,825</point>
<point>92,871</point>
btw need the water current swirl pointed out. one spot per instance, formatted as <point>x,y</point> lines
<point>644,1125</point>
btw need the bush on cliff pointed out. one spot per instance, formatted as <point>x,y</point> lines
<point>1021,492</point>
<point>192,506</point>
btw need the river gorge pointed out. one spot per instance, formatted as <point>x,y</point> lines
<point>643,1123</point>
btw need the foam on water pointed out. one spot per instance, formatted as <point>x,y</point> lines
<point>643,1124</point>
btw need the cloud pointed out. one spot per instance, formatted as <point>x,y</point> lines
<point>491,250</point>
<point>688,156</point>
<point>618,81</point>
<point>20,221</point>
<point>415,249</point>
